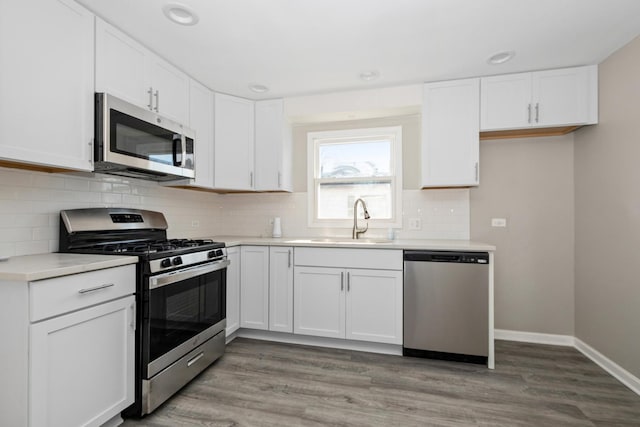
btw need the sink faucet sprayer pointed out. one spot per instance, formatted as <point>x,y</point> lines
<point>358,231</point>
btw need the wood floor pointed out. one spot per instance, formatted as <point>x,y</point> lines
<point>260,383</point>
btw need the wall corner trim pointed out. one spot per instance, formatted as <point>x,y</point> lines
<point>615,370</point>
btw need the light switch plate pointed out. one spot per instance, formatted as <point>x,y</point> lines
<point>415,224</point>
<point>498,222</point>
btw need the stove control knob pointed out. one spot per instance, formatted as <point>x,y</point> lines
<point>219,252</point>
<point>211,254</point>
<point>165,263</point>
<point>177,261</point>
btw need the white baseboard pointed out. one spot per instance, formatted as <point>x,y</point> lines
<point>618,372</point>
<point>535,338</point>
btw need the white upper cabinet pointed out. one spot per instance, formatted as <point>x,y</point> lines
<point>272,147</point>
<point>128,70</point>
<point>46,83</point>
<point>563,97</point>
<point>233,140</point>
<point>450,133</point>
<point>201,121</point>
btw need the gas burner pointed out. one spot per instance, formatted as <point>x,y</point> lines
<point>189,243</point>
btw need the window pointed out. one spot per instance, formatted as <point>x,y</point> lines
<point>350,164</point>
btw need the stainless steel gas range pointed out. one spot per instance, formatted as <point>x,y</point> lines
<point>180,294</point>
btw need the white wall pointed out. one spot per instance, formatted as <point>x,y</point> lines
<point>529,181</point>
<point>607,197</point>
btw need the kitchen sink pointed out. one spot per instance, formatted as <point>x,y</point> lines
<point>340,241</point>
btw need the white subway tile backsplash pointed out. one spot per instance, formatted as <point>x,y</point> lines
<point>30,203</point>
<point>111,198</point>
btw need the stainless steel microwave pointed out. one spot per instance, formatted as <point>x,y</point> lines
<point>133,142</point>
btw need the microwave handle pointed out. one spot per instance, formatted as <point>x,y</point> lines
<point>177,150</point>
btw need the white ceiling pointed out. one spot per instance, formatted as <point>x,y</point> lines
<point>298,47</point>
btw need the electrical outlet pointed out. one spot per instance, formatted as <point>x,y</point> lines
<point>498,222</point>
<point>415,224</point>
<point>195,224</point>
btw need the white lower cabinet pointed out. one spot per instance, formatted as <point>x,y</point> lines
<point>281,289</point>
<point>374,306</point>
<point>266,288</point>
<point>319,302</point>
<point>68,348</point>
<point>81,367</point>
<point>363,304</point>
<point>254,287</point>
<point>233,290</point>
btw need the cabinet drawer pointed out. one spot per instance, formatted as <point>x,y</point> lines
<point>377,259</point>
<point>52,297</point>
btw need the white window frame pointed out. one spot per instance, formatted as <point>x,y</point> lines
<point>314,139</point>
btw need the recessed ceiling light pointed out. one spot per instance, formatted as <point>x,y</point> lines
<point>180,13</point>
<point>258,88</point>
<point>369,76</point>
<point>501,57</point>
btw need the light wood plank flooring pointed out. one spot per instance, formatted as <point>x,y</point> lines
<point>259,383</point>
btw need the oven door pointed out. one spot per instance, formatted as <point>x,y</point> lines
<point>182,309</point>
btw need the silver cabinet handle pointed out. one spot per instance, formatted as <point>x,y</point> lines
<point>195,359</point>
<point>476,171</point>
<point>279,180</point>
<point>342,281</point>
<point>348,282</point>
<point>95,288</point>
<point>150,104</point>
<point>537,112</point>
<point>251,179</point>
<point>157,95</point>
<point>289,258</point>
<point>529,114</point>
<point>133,316</point>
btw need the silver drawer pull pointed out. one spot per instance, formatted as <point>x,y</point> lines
<point>95,288</point>
<point>195,359</point>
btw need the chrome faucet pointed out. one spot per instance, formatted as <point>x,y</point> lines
<point>358,231</point>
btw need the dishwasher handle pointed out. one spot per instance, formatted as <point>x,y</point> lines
<point>447,256</point>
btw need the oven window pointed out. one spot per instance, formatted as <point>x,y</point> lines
<point>134,137</point>
<point>182,310</point>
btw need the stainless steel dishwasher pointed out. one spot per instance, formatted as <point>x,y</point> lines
<point>446,305</point>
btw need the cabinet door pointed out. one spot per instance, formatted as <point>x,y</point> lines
<point>272,148</point>
<point>233,291</point>
<point>505,102</point>
<point>233,157</point>
<point>201,121</point>
<point>254,287</point>
<point>122,66</point>
<point>374,306</point>
<point>281,289</point>
<point>46,83</point>
<point>450,133</point>
<point>561,97</point>
<point>170,90</point>
<point>81,366</point>
<point>319,302</point>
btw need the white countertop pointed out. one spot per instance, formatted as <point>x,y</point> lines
<point>417,244</point>
<point>28,268</point>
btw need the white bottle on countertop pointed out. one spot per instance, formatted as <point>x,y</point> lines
<point>277,227</point>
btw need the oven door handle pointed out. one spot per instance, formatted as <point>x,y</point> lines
<point>180,275</point>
